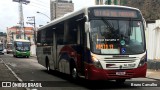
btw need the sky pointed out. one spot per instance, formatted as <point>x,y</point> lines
<point>9,12</point>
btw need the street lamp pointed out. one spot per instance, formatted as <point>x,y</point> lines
<point>44,15</point>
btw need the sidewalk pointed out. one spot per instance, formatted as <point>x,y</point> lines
<point>153,74</point>
<point>33,55</point>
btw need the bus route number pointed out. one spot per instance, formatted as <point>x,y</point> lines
<point>104,46</point>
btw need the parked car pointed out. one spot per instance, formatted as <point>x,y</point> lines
<point>1,49</point>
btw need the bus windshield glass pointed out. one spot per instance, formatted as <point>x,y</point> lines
<point>23,46</point>
<point>117,36</point>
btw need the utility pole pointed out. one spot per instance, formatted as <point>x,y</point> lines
<point>21,19</point>
<point>33,19</point>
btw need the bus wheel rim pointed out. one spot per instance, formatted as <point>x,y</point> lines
<point>74,73</point>
<point>48,67</point>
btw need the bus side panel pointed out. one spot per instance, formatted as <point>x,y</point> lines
<point>48,54</point>
<point>71,56</point>
<point>63,63</point>
<point>40,56</point>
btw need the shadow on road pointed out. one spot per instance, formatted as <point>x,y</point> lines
<point>85,83</point>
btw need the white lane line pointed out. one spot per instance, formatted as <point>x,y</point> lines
<point>15,75</point>
<point>19,79</point>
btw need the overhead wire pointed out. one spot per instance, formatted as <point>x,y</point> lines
<point>38,7</point>
<point>41,1</point>
<point>40,4</point>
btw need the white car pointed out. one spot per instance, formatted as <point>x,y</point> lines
<point>5,50</point>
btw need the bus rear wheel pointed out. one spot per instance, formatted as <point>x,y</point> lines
<point>48,66</point>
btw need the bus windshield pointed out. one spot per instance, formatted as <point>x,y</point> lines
<point>23,46</point>
<point>117,36</point>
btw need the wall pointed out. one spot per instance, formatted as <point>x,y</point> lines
<point>153,40</point>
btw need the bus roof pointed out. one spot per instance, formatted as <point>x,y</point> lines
<point>80,11</point>
<point>21,40</point>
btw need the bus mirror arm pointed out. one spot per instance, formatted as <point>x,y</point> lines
<point>87,25</point>
<point>144,21</point>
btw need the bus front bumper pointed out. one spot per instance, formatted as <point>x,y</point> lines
<point>93,73</point>
<point>21,54</point>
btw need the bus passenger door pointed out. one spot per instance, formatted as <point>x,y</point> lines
<point>81,43</point>
<point>54,52</point>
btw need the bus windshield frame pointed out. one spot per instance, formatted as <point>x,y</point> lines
<point>117,36</point>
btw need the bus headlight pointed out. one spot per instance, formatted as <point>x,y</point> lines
<point>96,62</point>
<point>17,51</point>
<point>143,60</point>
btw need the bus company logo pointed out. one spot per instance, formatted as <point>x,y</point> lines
<point>6,84</point>
<point>120,67</point>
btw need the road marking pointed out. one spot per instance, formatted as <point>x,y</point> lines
<point>15,75</point>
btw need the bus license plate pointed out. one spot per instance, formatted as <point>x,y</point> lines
<point>120,73</point>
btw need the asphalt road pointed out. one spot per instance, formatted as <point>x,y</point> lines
<point>28,69</point>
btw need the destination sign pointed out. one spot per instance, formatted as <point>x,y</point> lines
<point>115,13</point>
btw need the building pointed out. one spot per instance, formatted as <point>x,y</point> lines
<point>110,2</point>
<point>59,8</point>
<point>14,32</point>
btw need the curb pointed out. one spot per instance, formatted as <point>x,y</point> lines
<point>153,78</point>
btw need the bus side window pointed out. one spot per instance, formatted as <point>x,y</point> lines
<point>71,37</point>
<point>60,33</point>
<point>39,38</point>
<point>49,36</point>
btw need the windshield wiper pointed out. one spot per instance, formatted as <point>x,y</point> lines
<point>111,28</point>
